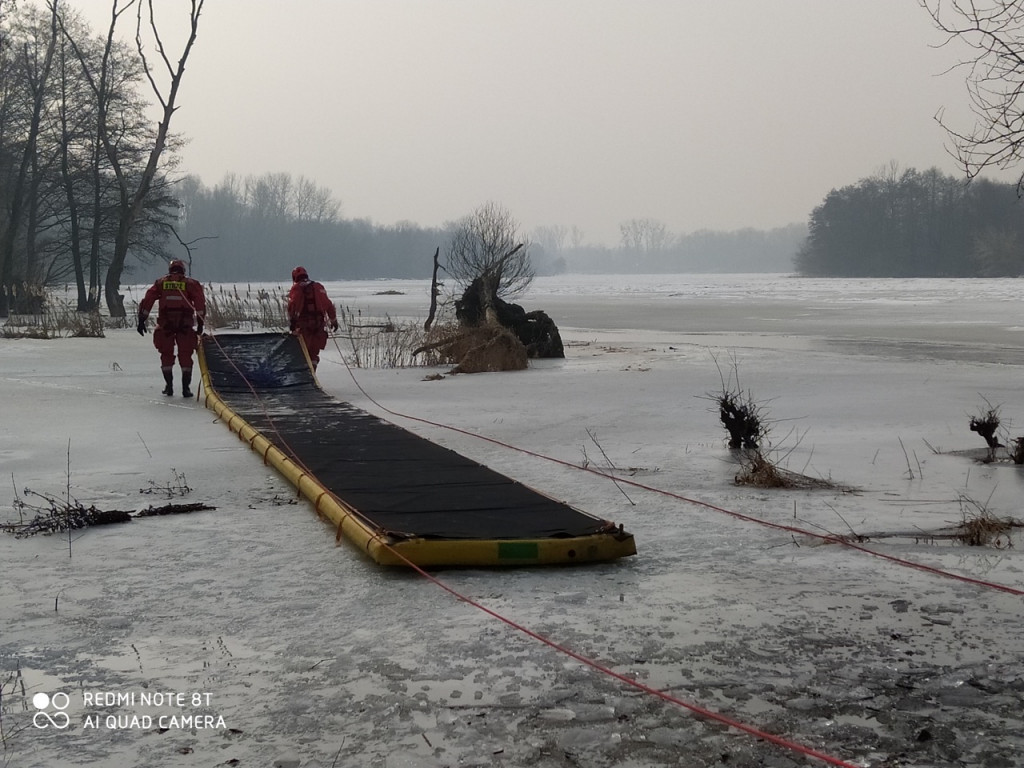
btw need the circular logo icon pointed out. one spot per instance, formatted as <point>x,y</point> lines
<point>43,719</point>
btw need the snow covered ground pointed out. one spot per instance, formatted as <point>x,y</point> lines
<point>245,636</point>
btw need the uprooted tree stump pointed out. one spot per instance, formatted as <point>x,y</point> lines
<point>493,334</point>
<point>480,305</point>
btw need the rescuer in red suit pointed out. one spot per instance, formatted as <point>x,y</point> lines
<point>181,302</point>
<point>309,312</point>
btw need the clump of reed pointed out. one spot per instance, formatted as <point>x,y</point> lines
<point>249,309</point>
<point>980,527</point>
<point>53,317</point>
<point>385,342</point>
<point>370,342</point>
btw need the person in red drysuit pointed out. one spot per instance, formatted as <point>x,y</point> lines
<point>309,312</point>
<point>182,301</point>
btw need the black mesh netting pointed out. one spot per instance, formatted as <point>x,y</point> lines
<point>399,482</point>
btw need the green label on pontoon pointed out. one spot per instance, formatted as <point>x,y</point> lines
<point>516,550</point>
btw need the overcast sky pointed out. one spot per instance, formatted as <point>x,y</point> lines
<point>716,114</point>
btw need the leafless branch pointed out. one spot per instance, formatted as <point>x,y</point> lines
<point>993,32</point>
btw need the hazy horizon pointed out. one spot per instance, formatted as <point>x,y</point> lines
<point>581,113</point>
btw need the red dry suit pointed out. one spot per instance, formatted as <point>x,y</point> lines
<point>309,310</point>
<point>181,302</point>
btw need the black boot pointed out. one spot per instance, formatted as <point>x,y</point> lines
<point>169,389</point>
<point>186,381</point>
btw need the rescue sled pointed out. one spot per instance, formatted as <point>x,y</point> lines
<point>397,496</point>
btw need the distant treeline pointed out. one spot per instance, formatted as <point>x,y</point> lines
<point>258,228</point>
<point>896,224</point>
<point>916,224</point>
<point>744,250</point>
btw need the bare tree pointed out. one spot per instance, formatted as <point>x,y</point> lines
<point>993,31</point>
<point>53,193</point>
<point>269,196</point>
<point>644,235</point>
<point>134,191</point>
<point>314,203</point>
<point>81,179</point>
<point>487,242</point>
<point>551,237</point>
<point>19,209</point>
<point>490,263</point>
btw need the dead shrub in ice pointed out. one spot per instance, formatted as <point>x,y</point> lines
<point>748,429</point>
<point>758,471</point>
<point>739,413</point>
<point>981,528</point>
<point>978,527</point>
<point>986,423</point>
<point>59,514</point>
<point>382,342</point>
<point>1017,450</point>
<point>989,424</point>
<point>742,419</point>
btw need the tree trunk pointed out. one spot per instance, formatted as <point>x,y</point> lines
<point>132,204</point>
<point>434,290</point>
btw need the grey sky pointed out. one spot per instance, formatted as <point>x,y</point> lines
<point>713,114</point>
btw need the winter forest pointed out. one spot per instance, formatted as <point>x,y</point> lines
<point>91,194</point>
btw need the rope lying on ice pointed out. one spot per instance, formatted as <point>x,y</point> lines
<point>696,709</point>
<point>825,537</point>
<point>703,712</point>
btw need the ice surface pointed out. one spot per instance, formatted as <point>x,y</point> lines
<point>310,652</point>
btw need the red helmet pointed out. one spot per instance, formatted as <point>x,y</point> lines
<point>177,265</point>
<point>299,274</point>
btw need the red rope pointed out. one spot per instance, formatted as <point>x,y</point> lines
<point>696,709</point>
<point>829,538</point>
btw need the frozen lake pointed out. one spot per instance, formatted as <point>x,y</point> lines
<point>316,658</point>
<point>970,319</point>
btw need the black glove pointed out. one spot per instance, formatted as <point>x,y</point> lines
<point>199,326</point>
<point>141,327</point>
<point>334,325</point>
